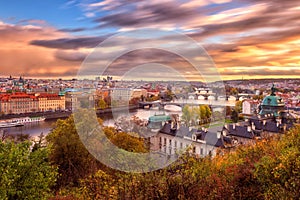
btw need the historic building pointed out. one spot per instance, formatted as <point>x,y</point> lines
<point>173,139</point>
<point>16,103</point>
<point>250,106</point>
<point>50,102</point>
<point>271,104</point>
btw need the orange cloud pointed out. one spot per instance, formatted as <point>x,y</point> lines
<point>18,57</point>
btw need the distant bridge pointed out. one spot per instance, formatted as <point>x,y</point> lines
<point>190,102</point>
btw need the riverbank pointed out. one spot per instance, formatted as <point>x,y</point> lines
<point>65,114</point>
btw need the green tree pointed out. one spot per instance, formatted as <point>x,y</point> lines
<point>25,174</point>
<point>187,114</point>
<point>234,116</point>
<point>69,154</point>
<point>238,106</point>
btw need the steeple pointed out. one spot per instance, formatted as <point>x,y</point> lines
<point>273,90</point>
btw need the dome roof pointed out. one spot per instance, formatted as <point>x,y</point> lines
<point>272,101</point>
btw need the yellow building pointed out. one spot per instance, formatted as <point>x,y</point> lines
<point>50,102</point>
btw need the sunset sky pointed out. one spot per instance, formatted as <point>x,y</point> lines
<point>245,38</point>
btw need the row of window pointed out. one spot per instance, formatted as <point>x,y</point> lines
<point>164,143</point>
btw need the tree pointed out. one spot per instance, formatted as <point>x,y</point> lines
<point>69,154</point>
<point>258,97</point>
<point>102,104</point>
<point>278,171</point>
<point>187,114</point>
<point>268,169</point>
<point>238,106</point>
<point>203,113</point>
<point>228,110</point>
<point>25,174</point>
<point>72,158</point>
<point>234,116</point>
<point>234,91</point>
<point>99,186</point>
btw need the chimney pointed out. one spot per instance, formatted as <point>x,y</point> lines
<point>264,122</point>
<point>224,133</point>
<point>253,126</point>
<point>194,137</point>
<point>226,126</point>
<point>249,128</point>
<point>277,124</point>
<point>233,126</point>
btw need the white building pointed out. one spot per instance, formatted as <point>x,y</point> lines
<point>172,140</point>
<point>250,106</point>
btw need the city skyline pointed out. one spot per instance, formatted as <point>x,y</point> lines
<point>244,38</point>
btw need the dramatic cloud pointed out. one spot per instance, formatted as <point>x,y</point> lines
<point>19,58</point>
<point>243,37</point>
<point>69,43</point>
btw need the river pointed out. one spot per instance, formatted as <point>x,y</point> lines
<point>45,127</point>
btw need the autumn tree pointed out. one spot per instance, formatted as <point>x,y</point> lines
<point>25,174</point>
<point>102,104</point>
<point>269,169</point>
<point>238,106</point>
<point>69,154</point>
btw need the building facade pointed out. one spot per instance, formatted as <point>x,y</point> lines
<point>50,102</point>
<point>17,103</point>
<point>172,140</point>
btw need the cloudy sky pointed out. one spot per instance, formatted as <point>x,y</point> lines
<point>244,38</point>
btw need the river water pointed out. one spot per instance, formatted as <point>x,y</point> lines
<point>45,127</point>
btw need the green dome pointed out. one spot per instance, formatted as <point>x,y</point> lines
<point>271,104</point>
<point>272,101</point>
<point>159,118</point>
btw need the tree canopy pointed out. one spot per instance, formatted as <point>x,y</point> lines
<point>25,174</point>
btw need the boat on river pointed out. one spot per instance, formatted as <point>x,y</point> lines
<point>4,124</point>
<point>24,120</point>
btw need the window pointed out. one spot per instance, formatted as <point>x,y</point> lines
<point>160,143</point>
<point>201,151</point>
<point>194,149</point>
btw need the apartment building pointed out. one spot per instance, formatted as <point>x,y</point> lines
<point>16,103</point>
<point>50,102</point>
